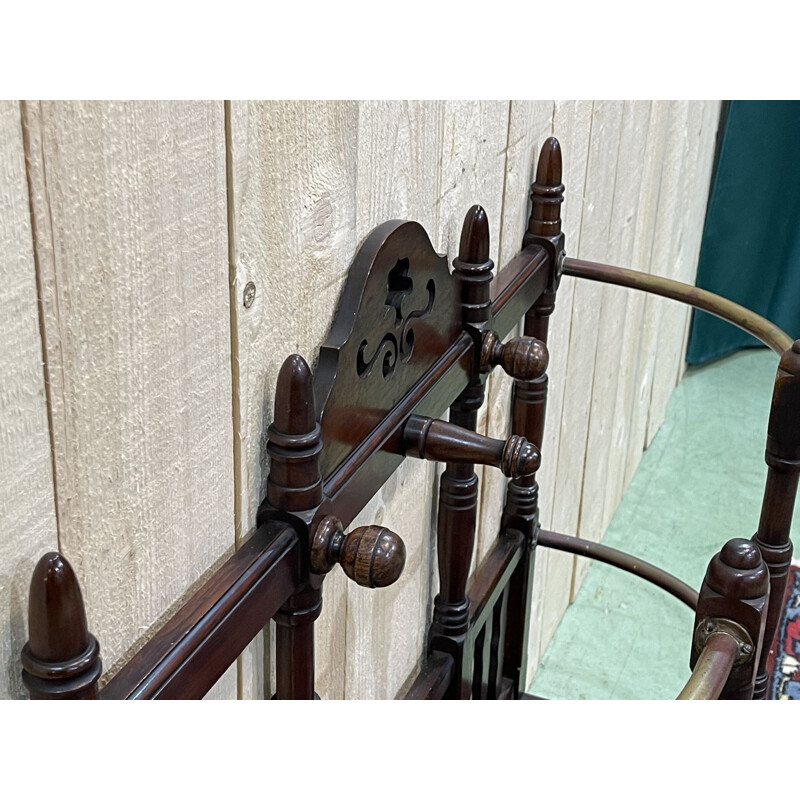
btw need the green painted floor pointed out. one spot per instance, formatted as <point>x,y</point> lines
<point>699,484</point>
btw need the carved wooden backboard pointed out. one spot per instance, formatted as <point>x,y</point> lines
<point>398,313</point>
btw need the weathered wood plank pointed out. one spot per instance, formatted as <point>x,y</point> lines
<point>625,307</point>
<point>27,506</point>
<point>293,221</point>
<point>645,321</point>
<point>131,238</point>
<point>698,200</point>
<point>571,124</point>
<point>585,315</point>
<point>429,162</point>
<point>606,183</point>
<point>667,254</point>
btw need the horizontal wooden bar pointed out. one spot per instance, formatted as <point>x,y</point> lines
<point>754,324</point>
<point>625,561</point>
<point>712,669</point>
<point>195,647</point>
<point>492,576</point>
<point>518,286</point>
<point>433,679</point>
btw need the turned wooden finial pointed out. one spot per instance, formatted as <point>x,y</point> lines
<point>294,482</point>
<point>474,245</point>
<point>524,357</point>
<point>547,192</point>
<point>61,660</point>
<point>473,267</point>
<point>372,556</point>
<point>733,600</point>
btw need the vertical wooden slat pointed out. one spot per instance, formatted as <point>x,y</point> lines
<point>578,381</point>
<point>622,307</point>
<point>674,259</point>
<point>130,231</point>
<point>644,321</point>
<point>27,507</point>
<point>610,168</point>
<point>480,665</point>
<point>499,616</point>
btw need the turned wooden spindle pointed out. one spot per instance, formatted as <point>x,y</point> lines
<point>528,406</point>
<point>783,462</point>
<point>61,660</point>
<point>547,195</point>
<point>436,440</point>
<point>295,441</point>
<point>524,357</point>
<point>733,601</point>
<point>458,486</point>
<point>372,556</point>
<point>473,267</point>
<point>295,484</point>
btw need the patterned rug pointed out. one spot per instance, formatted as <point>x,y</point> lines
<point>784,658</point>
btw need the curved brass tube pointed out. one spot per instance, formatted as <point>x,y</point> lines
<point>762,329</point>
<point>616,558</point>
<point>712,669</point>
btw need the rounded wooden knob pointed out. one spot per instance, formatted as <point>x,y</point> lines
<point>372,556</point>
<point>523,358</point>
<point>519,458</point>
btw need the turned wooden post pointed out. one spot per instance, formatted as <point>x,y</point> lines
<point>458,488</point>
<point>783,461</point>
<point>733,603</point>
<point>528,405</point>
<point>295,484</point>
<point>61,660</point>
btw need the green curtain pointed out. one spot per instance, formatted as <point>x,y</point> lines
<point>751,241</point>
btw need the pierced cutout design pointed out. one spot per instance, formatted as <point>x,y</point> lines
<point>398,343</point>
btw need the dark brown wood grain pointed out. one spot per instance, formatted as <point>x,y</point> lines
<point>437,440</point>
<point>733,598</point>
<point>458,446</point>
<point>528,406</point>
<point>783,470</point>
<point>295,485</point>
<point>398,314</point>
<point>523,357</point>
<point>192,650</point>
<point>434,678</point>
<point>61,660</point>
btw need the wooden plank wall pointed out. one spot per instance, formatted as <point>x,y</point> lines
<point>140,224</point>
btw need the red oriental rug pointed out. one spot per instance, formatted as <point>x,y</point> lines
<point>784,658</point>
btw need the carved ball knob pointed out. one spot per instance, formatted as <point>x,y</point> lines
<point>372,556</point>
<point>523,358</point>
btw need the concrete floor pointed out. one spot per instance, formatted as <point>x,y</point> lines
<point>699,484</point>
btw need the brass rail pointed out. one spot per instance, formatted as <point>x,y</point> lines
<point>616,558</point>
<point>754,324</point>
<point>712,669</point>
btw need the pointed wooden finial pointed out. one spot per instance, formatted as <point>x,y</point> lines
<point>61,659</point>
<point>547,192</point>
<point>474,247</point>
<point>473,267</point>
<point>294,482</point>
<point>294,398</point>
